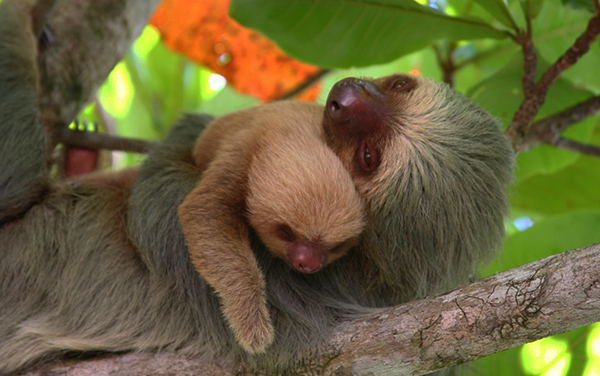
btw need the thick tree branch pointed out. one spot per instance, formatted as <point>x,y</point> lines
<point>540,299</point>
<point>534,97</point>
<point>543,298</point>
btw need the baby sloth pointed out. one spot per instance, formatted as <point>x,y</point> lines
<point>267,169</point>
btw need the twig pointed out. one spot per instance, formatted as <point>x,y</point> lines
<point>578,147</point>
<point>102,141</point>
<point>303,85</point>
<point>548,129</point>
<point>530,106</point>
<point>529,60</point>
<point>446,62</point>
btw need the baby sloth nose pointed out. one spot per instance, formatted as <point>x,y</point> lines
<point>306,257</point>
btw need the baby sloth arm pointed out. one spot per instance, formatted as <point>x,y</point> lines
<point>212,220</point>
<point>277,176</point>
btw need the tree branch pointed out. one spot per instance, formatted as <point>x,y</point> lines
<point>543,298</point>
<point>529,63</point>
<point>303,85</point>
<point>577,147</point>
<point>91,140</point>
<point>446,62</point>
<point>534,97</point>
<point>548,130</point>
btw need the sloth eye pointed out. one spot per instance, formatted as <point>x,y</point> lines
<point>286,233</point>
<point>367,157</point>
<point>403,84</point>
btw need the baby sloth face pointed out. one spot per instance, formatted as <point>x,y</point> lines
<point>302,202</point>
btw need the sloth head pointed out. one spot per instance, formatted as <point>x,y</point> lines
<point>433,169</point>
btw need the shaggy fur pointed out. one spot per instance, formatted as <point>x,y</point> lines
<point>437,200</point>
<point>102,265</point>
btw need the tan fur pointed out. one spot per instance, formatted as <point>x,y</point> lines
<point>265,167</point>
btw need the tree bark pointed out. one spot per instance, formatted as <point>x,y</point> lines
<point>521,305</point>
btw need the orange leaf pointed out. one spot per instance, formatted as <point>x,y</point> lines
<point>204,32</point>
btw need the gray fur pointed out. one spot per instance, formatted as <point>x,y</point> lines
<point>440,212</point>
<point>22,148</point>
<point>89,267</point>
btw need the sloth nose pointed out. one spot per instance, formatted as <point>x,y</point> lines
<point>355,103</point>
<point>307,268</point>
<point>343,95</point>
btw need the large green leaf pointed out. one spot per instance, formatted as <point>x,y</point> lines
<point>549,236</point>
<point>344,33</point>
<point>532,8</point>
<point>573,188</point>
<point>226,101</point>
<point>497,9</point>
<point>580,4</point>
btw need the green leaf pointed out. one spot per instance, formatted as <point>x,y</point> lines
<point>166,70</point>
<point>548,236</point>
<point>346,33</point>
<point>532,8</point>
<point>573,188</point>
<point>580,4</point>
<point>497,9</point>
<point>226,101</point>
<point>500,364</point>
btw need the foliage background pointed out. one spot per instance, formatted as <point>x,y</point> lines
<point>555,201</point>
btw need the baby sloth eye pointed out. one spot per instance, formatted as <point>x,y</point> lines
<point>286,233</point>
<point>338,248</point>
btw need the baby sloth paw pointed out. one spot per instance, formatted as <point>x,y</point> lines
<point>251,325</point>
